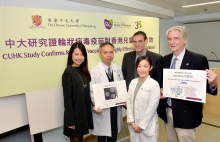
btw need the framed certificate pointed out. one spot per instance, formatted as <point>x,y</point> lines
<point>110,94</point>
<point>185,84</point>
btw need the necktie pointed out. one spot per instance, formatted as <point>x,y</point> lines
<point>109,72</point>
<point>173,66</point>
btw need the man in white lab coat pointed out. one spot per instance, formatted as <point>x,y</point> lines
<point>107,122</point>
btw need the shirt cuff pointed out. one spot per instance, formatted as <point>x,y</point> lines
<point>129,123</point>
<point>140,128</point>
<point>213,89</point>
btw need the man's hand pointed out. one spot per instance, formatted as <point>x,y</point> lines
<point>212,78</point>
<point>98,110</point>
<point>161,94</point>
<point>125,104</point>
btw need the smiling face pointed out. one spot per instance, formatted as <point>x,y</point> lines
<point>176,42</point>
<point>77,57</point>
<point>143,69</point>
<point>107,54</point>
<point>139,44</point>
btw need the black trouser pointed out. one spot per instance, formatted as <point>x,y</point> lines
<point>114,127</point>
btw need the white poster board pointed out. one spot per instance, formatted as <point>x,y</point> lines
<point>45,109</point>
<point>185,84</point>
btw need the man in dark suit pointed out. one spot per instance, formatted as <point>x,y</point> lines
<point>182,117</point>
<point>128,64</point>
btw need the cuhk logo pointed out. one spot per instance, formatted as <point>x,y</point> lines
<point>36,20</point>
<point>108,24</point>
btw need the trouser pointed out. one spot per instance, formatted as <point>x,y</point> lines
<point>177,134</point>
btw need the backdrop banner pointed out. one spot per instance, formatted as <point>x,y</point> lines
<point>35,43</point>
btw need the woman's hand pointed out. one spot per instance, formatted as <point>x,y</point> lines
<point>135,127</point>
<point>71,127</point>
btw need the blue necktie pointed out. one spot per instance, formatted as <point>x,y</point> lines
<point>173,66</point>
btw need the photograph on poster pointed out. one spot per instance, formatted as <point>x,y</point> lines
<point>109,94</point>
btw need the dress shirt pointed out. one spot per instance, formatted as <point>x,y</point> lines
<point>106,67</point>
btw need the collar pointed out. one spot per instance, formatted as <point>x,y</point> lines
<point>106,67</point>
<point>181,55</point>
<point>144,54</point>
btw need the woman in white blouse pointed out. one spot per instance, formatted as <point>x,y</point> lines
<point>142,102</point>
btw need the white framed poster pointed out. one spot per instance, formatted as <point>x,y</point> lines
<point>187,85</point>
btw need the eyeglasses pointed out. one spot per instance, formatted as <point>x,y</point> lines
<point>138,42</point>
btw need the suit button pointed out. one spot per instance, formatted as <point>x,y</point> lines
<point>184,110</point>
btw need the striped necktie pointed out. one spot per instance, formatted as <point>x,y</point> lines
<point>109,73</point>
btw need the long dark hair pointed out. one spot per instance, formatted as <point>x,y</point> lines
<point>84,64</point>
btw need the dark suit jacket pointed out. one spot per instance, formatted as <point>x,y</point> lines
<point>128,66</point>
<point>186,114</point>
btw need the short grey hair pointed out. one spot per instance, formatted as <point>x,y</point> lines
<point>103,44</point>
<point>180,29</point>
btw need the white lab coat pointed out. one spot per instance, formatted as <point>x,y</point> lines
<point>144,113</point>
<point>102,122</point>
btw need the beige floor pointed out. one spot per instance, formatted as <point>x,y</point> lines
<point>204,133</point>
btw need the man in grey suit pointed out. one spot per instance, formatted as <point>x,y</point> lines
<point>128,65</point>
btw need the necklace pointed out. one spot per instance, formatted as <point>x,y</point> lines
<point>84,85</point>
